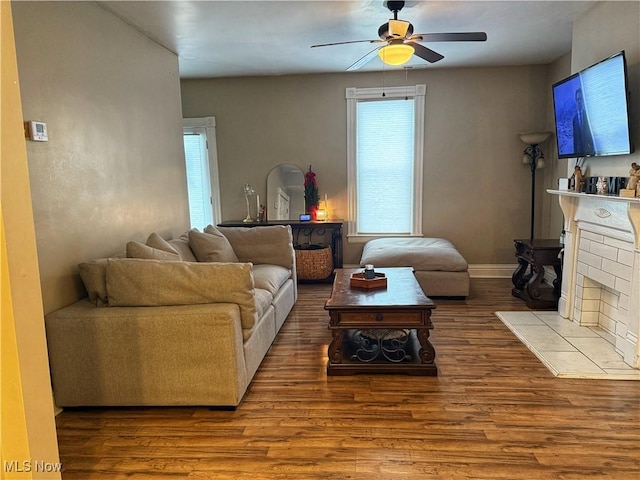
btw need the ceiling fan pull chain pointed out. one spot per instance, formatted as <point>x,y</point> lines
<point>383,72</point>
<point>406,83</point>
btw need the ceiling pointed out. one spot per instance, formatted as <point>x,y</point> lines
<point>249,38</point>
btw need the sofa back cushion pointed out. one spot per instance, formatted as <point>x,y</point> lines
<point>156,241</point>
<point>140,250</point>
<point>211,246</point>
<point>181,245</point>
<point>134,282</point>
<point>270,277</point>
<point>256,244</point>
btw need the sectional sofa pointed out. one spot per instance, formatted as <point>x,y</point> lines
<point>181,322</point>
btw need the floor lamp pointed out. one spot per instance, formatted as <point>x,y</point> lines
<point>533,157</point>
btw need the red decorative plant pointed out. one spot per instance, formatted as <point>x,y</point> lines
<point>311,196</point>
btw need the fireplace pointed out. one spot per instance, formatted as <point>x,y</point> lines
<point>601,269</point>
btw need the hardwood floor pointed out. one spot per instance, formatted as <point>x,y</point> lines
<point>494,412</point>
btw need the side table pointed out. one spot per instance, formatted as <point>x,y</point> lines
<point>528,278</point>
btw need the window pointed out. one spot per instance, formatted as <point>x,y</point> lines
<point>384,174</point>
<point>202,171</point>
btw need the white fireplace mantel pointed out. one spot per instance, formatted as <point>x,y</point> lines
<point>602,247</point>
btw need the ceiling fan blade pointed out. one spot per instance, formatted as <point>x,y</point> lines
<point>363,60</point>
<point>450,37</point>
<point>398,28</point>
<point>425,53</point>
<point>344,43</point>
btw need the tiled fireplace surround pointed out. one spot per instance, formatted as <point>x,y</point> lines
<point>601,268</point>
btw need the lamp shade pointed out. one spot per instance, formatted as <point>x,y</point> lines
<point>534,138</point>
<point>396,53</point>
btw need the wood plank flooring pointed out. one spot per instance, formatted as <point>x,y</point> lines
<point>494,412</point>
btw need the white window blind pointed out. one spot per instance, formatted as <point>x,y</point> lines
<point>197,160</point>
<point>384,163</point>
<point>385,137</point>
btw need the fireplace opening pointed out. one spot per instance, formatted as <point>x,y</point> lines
<point>597,305</point>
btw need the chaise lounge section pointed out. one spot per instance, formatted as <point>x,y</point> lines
<point>439,268</point>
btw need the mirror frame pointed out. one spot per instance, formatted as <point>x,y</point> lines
<point>289,178</point>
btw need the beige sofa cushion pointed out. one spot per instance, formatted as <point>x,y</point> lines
<point>156,241</point>
<point>255,244</point>
<point>93,275</point>
<point>428,254</point>
<point>211,246</point>
<point>134,282</point>
<point>181,245</point>
<point>140,250</point>
<point>270,277</point>
<point>262,300</point>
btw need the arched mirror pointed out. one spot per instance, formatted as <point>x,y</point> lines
<point>285,193</point>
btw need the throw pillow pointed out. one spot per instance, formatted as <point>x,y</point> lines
<point>211,247</point>
<point>181,245</point>
<point>140,250</point>
<point>156,241</point>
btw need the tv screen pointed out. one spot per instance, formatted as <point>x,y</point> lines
<point>591,111</point>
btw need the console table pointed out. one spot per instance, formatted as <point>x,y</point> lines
<point>530,287</point>
<point>334,227</point>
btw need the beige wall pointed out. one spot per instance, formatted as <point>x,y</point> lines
<point>113,168</point>
<point>476,192</point>
<point>476,189</point>
<point>603,30</point>
<point>555,168</point>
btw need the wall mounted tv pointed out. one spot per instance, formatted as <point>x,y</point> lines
<point>592,111</point>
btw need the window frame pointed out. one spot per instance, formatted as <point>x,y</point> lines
<point>353,96</point>
<point>209,125</point>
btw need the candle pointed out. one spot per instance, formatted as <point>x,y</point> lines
<point>326,205</point>
<point>258,207</point>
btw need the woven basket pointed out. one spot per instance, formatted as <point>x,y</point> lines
<point>314,262</point>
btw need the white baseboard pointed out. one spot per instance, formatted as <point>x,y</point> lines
<point>491,270</point>
<point>504,271</point>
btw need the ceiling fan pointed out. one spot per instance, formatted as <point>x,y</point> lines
<point>401,43</point>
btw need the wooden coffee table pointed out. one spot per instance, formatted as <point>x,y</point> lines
<point>383,330</point>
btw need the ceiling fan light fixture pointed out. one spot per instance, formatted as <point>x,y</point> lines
<point>396,53</point>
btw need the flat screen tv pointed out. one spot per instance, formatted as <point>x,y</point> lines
<point>592,111</point>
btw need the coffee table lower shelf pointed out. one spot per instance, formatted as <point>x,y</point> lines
<point>394,358</point>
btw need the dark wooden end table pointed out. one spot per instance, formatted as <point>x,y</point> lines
<point>532,256</point>
<point>383,330</point>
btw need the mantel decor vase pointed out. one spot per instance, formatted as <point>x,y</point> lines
<point>311,195</point>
